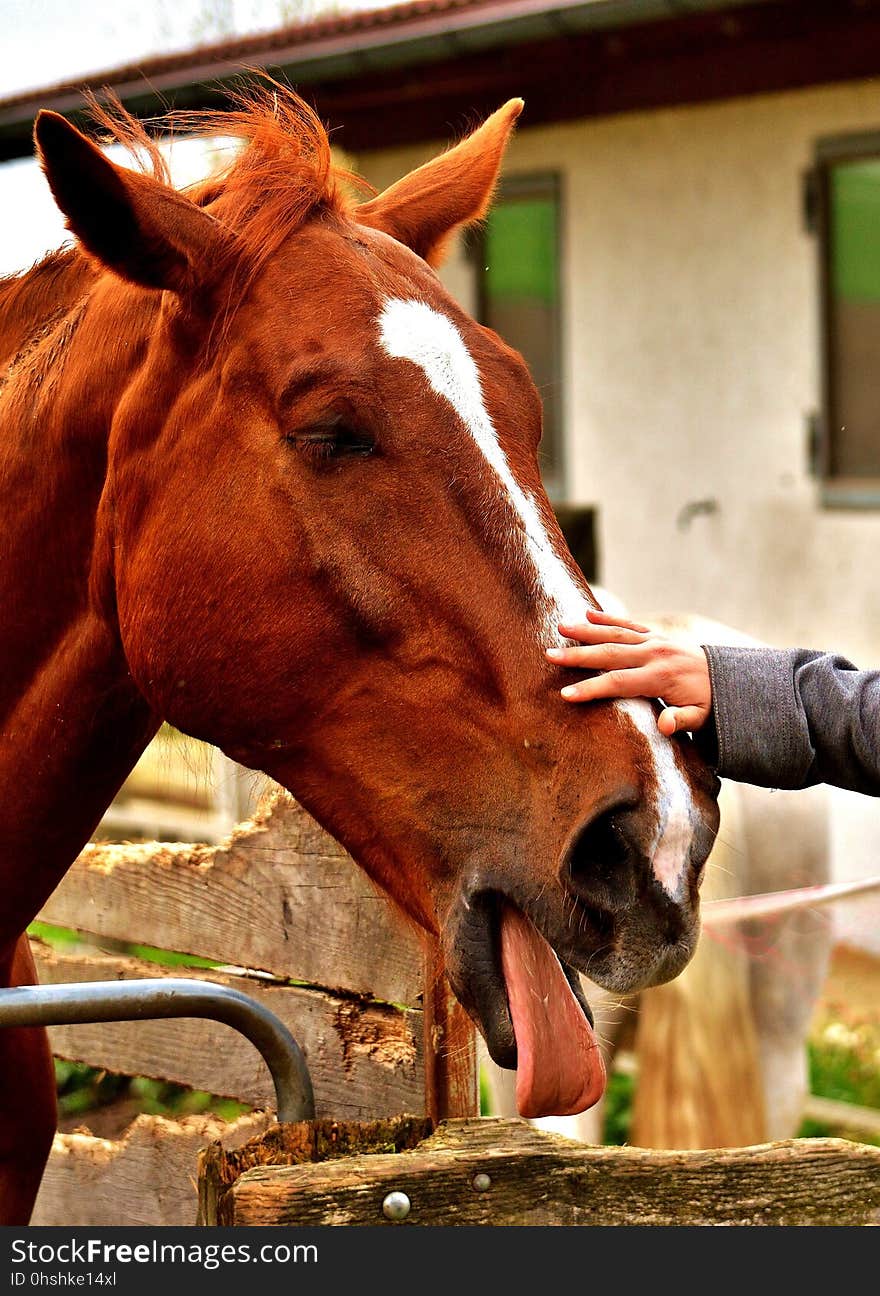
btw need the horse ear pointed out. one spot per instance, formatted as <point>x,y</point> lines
<point>425,208</point>
<point>133,224</point>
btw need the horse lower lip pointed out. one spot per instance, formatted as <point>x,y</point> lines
<point>485,991</point>
<point>479,980</point>
<point>501,1041</point>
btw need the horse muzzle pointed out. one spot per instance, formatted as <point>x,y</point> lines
<point>515,941</point>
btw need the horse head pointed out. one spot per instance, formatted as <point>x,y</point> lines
<point>324,544</point>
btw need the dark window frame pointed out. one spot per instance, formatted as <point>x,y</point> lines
<point>538,184</point>
<point>835,491</point>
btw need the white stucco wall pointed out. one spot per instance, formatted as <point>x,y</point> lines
<point>691,362</point>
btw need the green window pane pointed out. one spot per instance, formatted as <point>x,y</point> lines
<point>855,318</point>
<point>855,206</point>
<point>521,258</point>
<point>520,290</point>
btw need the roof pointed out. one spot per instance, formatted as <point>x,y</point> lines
<point>376,62</point>
<point>361,40</point>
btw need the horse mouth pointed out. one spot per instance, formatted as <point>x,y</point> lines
<point>530,1008</point>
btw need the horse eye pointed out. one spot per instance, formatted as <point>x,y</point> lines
<point>338,441</point>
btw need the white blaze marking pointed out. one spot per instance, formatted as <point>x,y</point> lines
<point>412,330</point>
<point>675,809</point>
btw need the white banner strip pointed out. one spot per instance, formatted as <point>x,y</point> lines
<point>719,913</point>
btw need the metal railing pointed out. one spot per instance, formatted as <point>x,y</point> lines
<point>154,998</point>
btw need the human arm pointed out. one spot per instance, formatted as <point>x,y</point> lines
<point>776,717</point>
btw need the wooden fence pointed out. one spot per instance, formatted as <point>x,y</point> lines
<point>289,920</point>
<point>284,915</point>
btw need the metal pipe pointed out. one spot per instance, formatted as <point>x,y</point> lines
<point>153,998</point>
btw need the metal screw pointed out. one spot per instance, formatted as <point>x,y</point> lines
<point>396,1206</point>
<point>481,1182</point>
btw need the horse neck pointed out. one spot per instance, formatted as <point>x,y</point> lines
<point>73,723</point>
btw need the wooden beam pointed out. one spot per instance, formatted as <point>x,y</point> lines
<point>697,58</point>
<point>221,1164</point>
<point>148,1178</point>
<point>279,896</point>
<point>364,1059</point>
<point>537,1178</point>
<point>452,1081</point>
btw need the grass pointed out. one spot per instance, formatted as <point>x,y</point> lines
<point>618,1108</point>
<point>844,1064</point>
<point>64,938</point>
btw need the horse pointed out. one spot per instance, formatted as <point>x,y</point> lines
<point>262,478</point>
<point>721,1051</point>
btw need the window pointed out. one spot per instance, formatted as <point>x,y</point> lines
<point>517,260</point>
<point>844,202</point>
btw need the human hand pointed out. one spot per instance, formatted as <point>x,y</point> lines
<point>638,662</point>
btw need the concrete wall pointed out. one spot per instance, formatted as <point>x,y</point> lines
<point>691,362</point>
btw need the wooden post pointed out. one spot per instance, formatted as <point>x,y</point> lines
<point>452,1086</point>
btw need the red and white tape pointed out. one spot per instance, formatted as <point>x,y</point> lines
<point>771,904</point>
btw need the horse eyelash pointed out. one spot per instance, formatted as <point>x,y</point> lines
<point>323,449</point>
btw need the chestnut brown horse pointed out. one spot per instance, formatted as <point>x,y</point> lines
<point>263,478</point>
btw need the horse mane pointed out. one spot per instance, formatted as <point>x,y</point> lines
<point>281,176</point>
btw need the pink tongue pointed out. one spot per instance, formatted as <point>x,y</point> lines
<point>560,1070</point>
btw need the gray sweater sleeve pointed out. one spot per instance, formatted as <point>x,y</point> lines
<point>788,718</point>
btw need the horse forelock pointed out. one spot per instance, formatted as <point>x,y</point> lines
<point>278,174</point>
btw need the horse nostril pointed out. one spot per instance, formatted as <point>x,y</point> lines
<point>599,865</point>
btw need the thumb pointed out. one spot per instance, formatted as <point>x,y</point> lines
<point>675,719</point>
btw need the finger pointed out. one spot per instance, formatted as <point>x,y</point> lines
<point>602,656</point>
<point>587,633</point>
<point>673,720</point>
<point>606,618</point>
<point>612,684</point>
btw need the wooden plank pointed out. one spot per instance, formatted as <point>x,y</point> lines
<point>279,895</point>
<point>538,1178</point>
<point>148,1178</point>
<point>692,58</point>
<point>365,1059</point>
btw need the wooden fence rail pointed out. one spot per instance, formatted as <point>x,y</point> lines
<point>498,1172</point>
<point>288,919</point>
